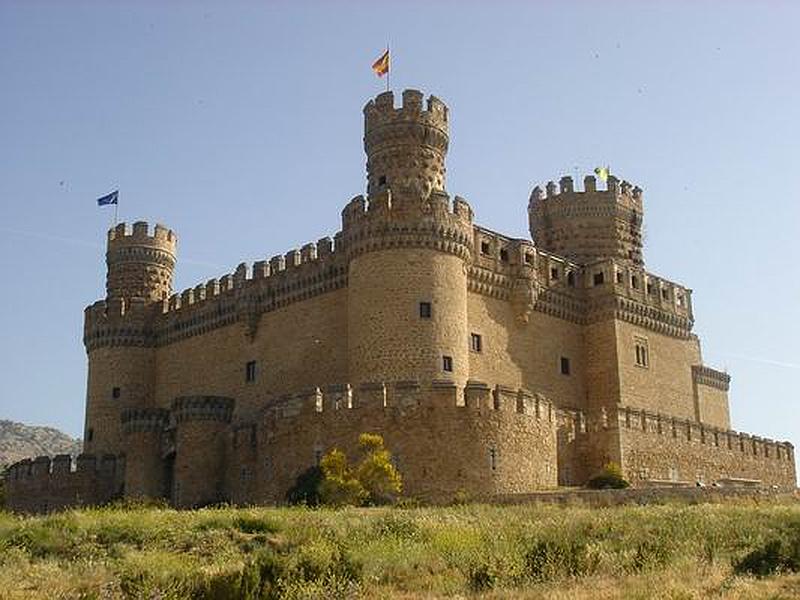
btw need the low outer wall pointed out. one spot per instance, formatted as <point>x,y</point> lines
<point>657,448</point>
<point>42,485</point>
<point>445,440</point>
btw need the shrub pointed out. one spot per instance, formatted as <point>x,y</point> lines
<point>777,555</point>
<point>376,473</point>
<point>549,559</point>
<point>374,480</point>
<point>609,478</point>
<point>306,488</point>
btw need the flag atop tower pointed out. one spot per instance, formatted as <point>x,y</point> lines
<point>381,66</point>
<point>112,198</point>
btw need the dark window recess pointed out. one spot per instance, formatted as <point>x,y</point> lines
<point>250,371</point>
<point>484,247</point>
<point>90,435</point>
<point>504,255</point>
<point>475,342</point>
<point>635,282</point>
<point>599,278</point>
<point>528,258</point>
<point>116,392</point>
<point>665,293</point>
<point>553,273</point>
<point>425,310</point>
<point>564,365</point>
<point>382,180</point>
<point>493,459</point>
<point>649,289</point>
<point>447,364</point>
<point>571,279</point>
<point>619,277</point>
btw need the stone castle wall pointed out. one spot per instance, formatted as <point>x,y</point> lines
<point>445,440</point>
<point>43,485</point>
<point>198,391</point>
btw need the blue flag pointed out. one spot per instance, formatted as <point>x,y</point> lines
<point>111,198</point>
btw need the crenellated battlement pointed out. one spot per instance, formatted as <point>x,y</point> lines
<point>413,108</point>
<point>44,484</point>
<point>140,262</point>
<point>659,448</point>
<point>566,191</point>
<point>406,146</point>
<point>139,234</point>
<point>378,223</point>
<point>402,396</point>
<point>588,225</point>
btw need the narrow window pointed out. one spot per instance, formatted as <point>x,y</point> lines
<point>425,310</point>
<point>528,258</point>
<point>642,352</point>
<point>475,342</point>
<point>649,289</point>
<point>564,365</point>
<point>493,458</point>
<point>571,279</point>
<point>504,255</point>
<point>665,293</point>
<point>484,247</point>
<point>90,434</point>
<point>447,364</point>
<point>619,278</point>
<point>599,279</point>
<point>382,180</point>
<point>554,273</point>
<point>250,371</point>
<point>115,392</point>
<point>634,282</point>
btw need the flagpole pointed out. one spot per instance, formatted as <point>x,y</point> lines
<point>389,69</point>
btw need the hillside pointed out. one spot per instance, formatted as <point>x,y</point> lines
<point>18,441</point>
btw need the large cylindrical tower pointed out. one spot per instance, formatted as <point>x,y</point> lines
<point>118,331</point>
<point>408,246</point>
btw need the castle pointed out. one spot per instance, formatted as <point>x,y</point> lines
<point>491,365</point>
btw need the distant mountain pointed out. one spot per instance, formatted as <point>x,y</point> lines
<point>18,441</point>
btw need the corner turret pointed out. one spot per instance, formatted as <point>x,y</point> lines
<point>140,264</point>
<point>590,225</point>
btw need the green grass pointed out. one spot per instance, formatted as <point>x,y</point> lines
<point>529,551</point>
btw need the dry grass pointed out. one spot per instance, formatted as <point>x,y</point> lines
<point>531,551</point>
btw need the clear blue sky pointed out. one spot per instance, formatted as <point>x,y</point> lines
<point>239,125</point>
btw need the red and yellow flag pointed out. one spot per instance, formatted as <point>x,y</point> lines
<point>381,66</point>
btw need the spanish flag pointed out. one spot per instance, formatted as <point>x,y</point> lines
<point>381,66</point>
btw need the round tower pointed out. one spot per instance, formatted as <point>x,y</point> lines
<point>590,225</point>
<point>408,246</point>
<point>199,469</point>
<point>118,331</point>
<point>406,146</point>
<point>140,265</point>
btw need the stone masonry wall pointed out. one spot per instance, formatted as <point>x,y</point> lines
<point>445,440</point>
<point>42,485</point>
<point>661,449</point>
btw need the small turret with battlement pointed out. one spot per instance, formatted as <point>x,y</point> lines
<point>589,225</point>
<point>405,146</point>
<point>140,264</point>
